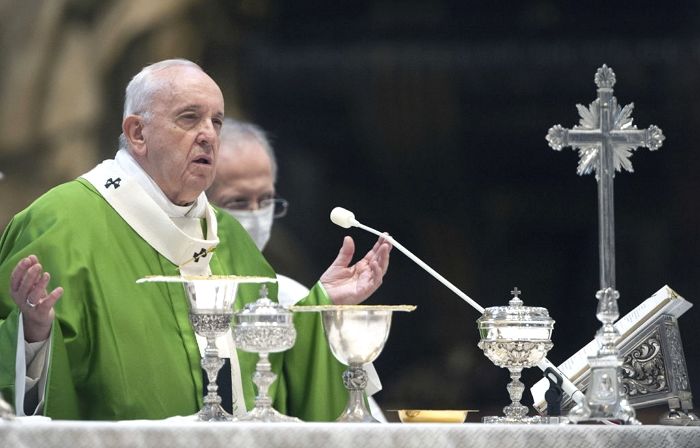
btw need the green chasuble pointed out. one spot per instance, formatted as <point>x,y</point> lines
<point>121,350</point>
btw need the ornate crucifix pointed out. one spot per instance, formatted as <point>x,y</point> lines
<point>605,139</point>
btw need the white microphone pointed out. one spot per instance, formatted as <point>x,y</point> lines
<point>346,219</point>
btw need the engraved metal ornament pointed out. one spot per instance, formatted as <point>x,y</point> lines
<point>264,327</point>
<point>515,337</point>
<point>622,135</point>
<point>643,369</point>
<point>210,324</point>
<point>679,372</point>
<point>269,340</point>
<point>210,300</point>
<point>605,138</point>
<point>211,309</point>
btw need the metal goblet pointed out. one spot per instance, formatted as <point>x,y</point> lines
<point>210,300</point>
<point>356,335</point>
<point>264,327</point>
<point>515,337</point>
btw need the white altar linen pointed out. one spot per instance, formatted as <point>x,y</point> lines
<point>188,434</point>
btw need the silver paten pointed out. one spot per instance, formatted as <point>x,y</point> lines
<point>264,327</point>
<point>515,337</point>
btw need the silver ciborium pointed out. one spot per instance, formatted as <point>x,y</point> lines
<point>210,300</point>
<point>264,327</point>
<point>356,335</point>
<point>515,337</point>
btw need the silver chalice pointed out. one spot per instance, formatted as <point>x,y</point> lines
<point>264,327</point>
<point>210,300</point>
<point>356,335</point>
<point>515,337</point>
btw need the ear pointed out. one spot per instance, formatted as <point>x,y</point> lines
<point>132,126</point>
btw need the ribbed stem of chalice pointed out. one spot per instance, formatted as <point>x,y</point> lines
<point>211,363</point>
<point>263,378</point>
<point>515,410</point>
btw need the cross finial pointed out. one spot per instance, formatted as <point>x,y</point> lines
<point>515,292</point>
<point>605,77</point>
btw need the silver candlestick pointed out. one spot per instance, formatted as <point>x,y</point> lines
<point>264,327</point>
<point>605,140</point>
<point>515,337</point>
<point>356,335</point>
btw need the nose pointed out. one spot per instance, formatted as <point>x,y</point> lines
<point>208,134</point>
<point>253,204</point>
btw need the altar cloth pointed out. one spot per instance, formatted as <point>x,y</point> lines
<point>186,433</point>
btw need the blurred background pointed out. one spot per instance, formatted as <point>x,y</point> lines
<point>427,119</point>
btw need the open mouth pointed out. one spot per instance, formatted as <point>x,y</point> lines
<point>202,160</point>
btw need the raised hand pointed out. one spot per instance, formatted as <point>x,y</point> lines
<point>350,285</point>
<point>28,284</point>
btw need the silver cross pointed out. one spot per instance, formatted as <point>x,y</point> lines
<point>605,139</point>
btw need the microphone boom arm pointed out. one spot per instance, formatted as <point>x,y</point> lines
<point>347,219</point>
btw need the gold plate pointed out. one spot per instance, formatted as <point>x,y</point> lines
<point>434,416</point>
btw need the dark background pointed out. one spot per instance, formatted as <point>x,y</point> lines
<point>427,119</point>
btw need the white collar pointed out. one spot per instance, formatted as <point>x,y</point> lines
<point>144,214</point>
<point>131,167</point>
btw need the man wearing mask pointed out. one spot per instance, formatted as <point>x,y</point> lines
<point>111,349</point>
<point>244,186</point>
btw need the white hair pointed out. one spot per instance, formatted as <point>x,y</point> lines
<point>233,132</point>
<point>140,90</point>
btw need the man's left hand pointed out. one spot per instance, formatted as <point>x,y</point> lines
<point>350,285</point>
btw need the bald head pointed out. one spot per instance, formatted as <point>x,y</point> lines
<point>144,86</point>
<point>172,120</point>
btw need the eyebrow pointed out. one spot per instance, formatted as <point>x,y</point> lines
<point>196,108</point>
<point>189,108</point>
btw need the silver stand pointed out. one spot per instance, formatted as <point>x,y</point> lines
<point>605,140</point>
<point>654,372</point>
<point>653,368</point>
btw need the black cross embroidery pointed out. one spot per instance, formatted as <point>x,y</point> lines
<point>202,253</point>
<point>113,182</point>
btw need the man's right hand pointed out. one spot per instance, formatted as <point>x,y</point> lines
<point>28,289</point>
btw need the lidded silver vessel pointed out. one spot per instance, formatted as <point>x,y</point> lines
<point>264,327</point>
<point>515,337</point>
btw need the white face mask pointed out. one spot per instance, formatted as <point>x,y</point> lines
<point>258,223</point>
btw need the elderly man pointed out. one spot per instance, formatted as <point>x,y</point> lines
<point>244,186</point>
<point>111,349</point>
